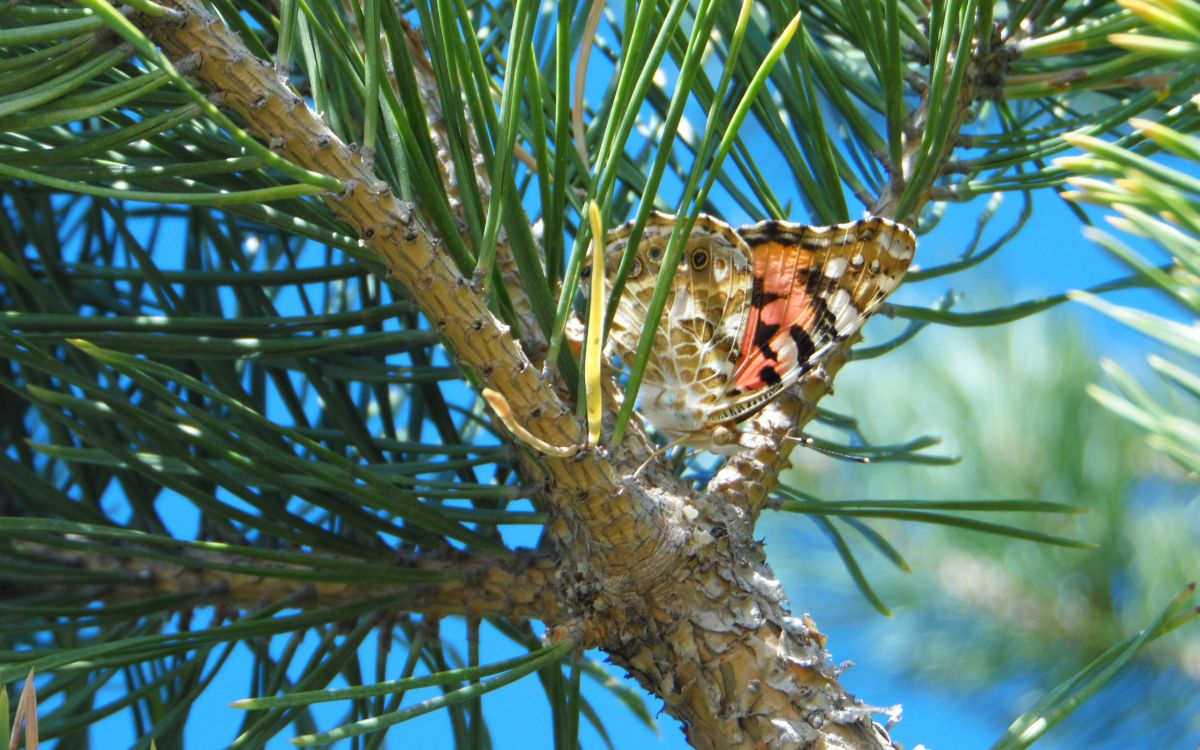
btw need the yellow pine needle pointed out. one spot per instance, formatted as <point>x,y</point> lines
<point>1082,140</point>
<point>1164,15</point>
<point>592,352</point>
<point>1157,132</point>
<point>26,716</point>
<point>581,69</point>
<point>504,413</point>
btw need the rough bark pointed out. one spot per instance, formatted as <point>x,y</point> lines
<point>480,586</point>
<point>669,582</point>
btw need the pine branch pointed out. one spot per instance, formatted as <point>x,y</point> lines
<point>474,585</point>
<point>252,89</point>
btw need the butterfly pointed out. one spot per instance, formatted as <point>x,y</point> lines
<point>750,311</point>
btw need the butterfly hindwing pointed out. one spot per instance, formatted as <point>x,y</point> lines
<point>697,343</point>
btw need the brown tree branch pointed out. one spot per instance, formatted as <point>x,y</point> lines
<point>253,90</point>
<point>519,587</point>
<point>746,480</point>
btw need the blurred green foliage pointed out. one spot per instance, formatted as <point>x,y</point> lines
<point>1011,402</point>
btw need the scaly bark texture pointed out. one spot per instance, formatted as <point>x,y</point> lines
<point>475,585</point>
<point>669,582</point>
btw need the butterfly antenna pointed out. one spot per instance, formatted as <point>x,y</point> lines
<point>810,442</point>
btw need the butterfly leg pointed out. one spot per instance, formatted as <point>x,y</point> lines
<point>661,451</point>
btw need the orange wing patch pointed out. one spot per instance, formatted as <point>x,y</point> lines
<point>781,308</point>
<point>813,288</point>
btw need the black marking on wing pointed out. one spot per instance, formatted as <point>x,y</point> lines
<point>764,335</point>
<point>805,348</point>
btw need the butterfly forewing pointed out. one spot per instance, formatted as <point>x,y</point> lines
<point>814,287</point>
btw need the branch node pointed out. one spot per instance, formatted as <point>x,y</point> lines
<point>948,193</point>
<point>348,192</point>
<point>175,18</point>
<point>581,632</point>
<point>477,280</point>
<point>376,187</point>
<point>189,64</point>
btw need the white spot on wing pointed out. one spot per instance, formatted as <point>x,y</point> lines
<point>845,314</point>
<point>897,244</point>
<point>834,268</point>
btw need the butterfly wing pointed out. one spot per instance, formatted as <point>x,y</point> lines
<point>814,287</point>
<point>697,343</point>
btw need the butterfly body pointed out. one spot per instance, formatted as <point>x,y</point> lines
<point>749,312</point>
